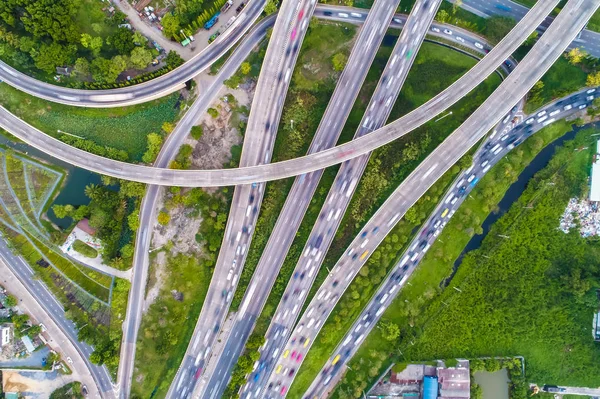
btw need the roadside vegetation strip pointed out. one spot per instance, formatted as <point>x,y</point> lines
<point>427,290</point>
<point>169,322</point>
<point>124,128</point>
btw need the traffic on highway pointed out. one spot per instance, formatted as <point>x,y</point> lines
<point>220,335</point>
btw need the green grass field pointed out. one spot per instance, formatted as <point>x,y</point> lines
<point>123,128</point>
<point>424,293</point>
<point>169,322</point>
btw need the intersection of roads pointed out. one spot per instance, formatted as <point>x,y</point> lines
<point>207,364</point>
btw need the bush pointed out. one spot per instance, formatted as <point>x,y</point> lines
<point>196,132</point>
<point>84,249</point>
<point>213,112</point>
<point>164,218</point>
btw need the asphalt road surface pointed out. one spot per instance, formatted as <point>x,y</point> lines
<point>54,309</point>
<point>375,116</point>
<point>364,50</point>
<point>512,131</point>
<point>282,51</point>
<point>149,203</point>
<point>532,67</point>
<point>143,92</point>
<point>297,166</point>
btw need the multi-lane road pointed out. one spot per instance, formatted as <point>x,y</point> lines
<point>538,60</point>
<point>364,50</point>
<point>55,311</point>
<point>149,203</point>
<point>321,236</point>
<point>512,131</point>
<point>143,92</point>
<point>296,166</point>
<point>267,105</point>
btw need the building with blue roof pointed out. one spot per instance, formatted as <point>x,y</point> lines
<point>430,387</point>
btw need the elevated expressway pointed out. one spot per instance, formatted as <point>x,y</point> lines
<point>562,31</point>
<point>293,167</point>
<point>289,30</point>
<point>347,88</point>
<point>499,143</point>
<point>377,113</point>
<point>142,92</point>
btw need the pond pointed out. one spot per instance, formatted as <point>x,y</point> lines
<point>73,189</point>
<point>494,385</point>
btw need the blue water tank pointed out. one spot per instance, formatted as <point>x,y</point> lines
<point>430,387</point>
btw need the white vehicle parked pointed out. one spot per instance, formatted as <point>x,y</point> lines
<point>433,28</point>
<point>478,45</point>
<point>447,31</point>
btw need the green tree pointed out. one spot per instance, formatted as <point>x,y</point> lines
<point>154,142</point>
<point>54,55</point>
<point>81,67</point>
<point>140,57</point>
<point>96,45</point>
<point>173,59</point>
<point>164,218</point>
<point>122,41</point>
<point>245,68</point>
<point>139,39</point>
<point>171,26</point>
<point>133,220</point>
<point>168,127</point>
<point>271,7</point>
<point>196,132</point>
<point>86,40</point>
<point>10,301</point>
<point>390,331</point>
<point>339,61</point>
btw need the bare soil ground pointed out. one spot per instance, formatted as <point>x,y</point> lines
<point>211,151</point>
<point>35,385</point>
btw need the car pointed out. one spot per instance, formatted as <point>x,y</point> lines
<point>306,342</point>
<point>445,212</point>
<point>286,353</point>
<point>479,45</point>
<point>327,13</point>
<point>84,390</point>
<point>447,31</point>
<point>335,283</point>
<point>433,28</point>
<point>300,15</point>
<point>278,369</point>
<point>294,353</point>
<point>460,39</point>
<point>283,390</point>
<point>69,360</point>
<point>299,358</point>
<point>240,7</point>
<point>198,372</point>
<point>291,373</point>
<point>462,190</point>
<point>423,244</point>
<point>294,32</point>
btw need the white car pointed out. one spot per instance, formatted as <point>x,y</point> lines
<point>355,14</point>
<point>447,31</point>
<point>69,360</point>
<point>433,28</point>
<point>460,39</point>
<point>479,45</point>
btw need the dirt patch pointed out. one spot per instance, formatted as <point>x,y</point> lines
<point>35,385</point>
<point>213,150</point>
<point>159,271</point>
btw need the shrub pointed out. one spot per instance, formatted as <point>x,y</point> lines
<point>196,132</point>
<point>84,249</point>
<point>164,218</point>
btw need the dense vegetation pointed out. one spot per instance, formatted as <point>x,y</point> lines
<point>105,131</point>
<point>529,311</point>
<point>112,213</point>
<point>68,391</point>
<point>38,36</point>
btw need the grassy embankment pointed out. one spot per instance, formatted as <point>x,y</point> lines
<point>123,128</point>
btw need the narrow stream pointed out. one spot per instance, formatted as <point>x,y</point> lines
<point>514,192</point>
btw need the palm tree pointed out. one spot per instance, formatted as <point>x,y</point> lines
<point>93,191</point>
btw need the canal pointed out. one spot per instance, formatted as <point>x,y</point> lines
<point>73,189</point>
<point>514,192</point>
